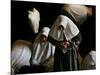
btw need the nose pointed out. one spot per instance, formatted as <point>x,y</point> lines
<point>44,39</point>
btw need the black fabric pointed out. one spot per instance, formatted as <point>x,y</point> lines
<point>77,39</point>
<point>66,61</point>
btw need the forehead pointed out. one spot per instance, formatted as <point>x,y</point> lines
<point>43,36</point>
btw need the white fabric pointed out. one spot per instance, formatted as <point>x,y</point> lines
<point>34,17</point>
<point>12,71</point>
<point>78,12</point>
<point>70,29</point>
<point>45,31</point>
<point>20,55</point>
<point>42,51</point>
<point>89,60</point>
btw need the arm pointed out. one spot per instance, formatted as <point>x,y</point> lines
<point>77,39</point>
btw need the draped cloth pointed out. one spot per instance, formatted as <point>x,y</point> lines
<point>34,18</point>
<point>78,12</point>
<point>89,62</point>
<point>70,29</point>
<point>67,60</point>
<point>42,50</point>
<point>20,55</point>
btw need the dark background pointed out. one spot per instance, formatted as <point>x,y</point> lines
<point>21,29</point>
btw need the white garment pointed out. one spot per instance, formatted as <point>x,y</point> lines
<point>70,29</point>
<point>42,51</point>
<point>78,12</point>
<point>34,17</point>
<point>89,61</point>
<point>45,31</point>
<point>20,54</point>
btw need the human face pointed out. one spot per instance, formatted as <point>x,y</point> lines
<point>43,38</point>
<point>89,11</point>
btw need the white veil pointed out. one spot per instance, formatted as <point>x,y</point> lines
<point>77,11</point>
<point>42,51</point>
<point>20,54</point>
<point>70,29</point>
<point>34,17</point>
<point>89,62</point>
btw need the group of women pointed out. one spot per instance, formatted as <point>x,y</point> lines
<point>56,48</point>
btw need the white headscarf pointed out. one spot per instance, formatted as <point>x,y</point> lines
<point>20,54</point>
<point>78,12</point>
<point>34,17</point>
<point>42,51</point>
<point>70,29</point>
<point>89,60</point>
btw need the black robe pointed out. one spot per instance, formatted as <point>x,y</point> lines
<point>67,61</point>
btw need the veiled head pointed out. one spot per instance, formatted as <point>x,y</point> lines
<point>34,18</point>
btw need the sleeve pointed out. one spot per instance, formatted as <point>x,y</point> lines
<point>52,41</point>
<point>77,39</point>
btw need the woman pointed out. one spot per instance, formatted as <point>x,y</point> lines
<point>89,62</point>
<point>42,50</point>
<point>66,36</point>
<point>20,55</point>
<point>34,18</point>
<point>77,13</point>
